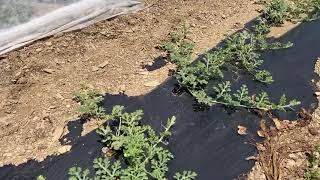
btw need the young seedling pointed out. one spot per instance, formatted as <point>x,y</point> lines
<point>89,100</point>
<point>313,170</point>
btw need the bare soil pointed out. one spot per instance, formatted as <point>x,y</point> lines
<point>284,152</point>
<point>37,82</point>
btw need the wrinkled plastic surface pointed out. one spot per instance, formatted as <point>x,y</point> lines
<point>24,21</point>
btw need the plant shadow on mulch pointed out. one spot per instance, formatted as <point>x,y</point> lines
<point>204,141</point>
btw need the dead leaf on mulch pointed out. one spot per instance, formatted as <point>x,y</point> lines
<point>261,133</point>
<point>251,158</point>
<point>242,130</point>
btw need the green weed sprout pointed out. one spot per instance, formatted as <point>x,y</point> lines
<point>89,100</point>
<point>313,170</point>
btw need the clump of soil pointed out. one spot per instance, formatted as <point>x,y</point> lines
<point>284,152</point>
<point>37,82</point>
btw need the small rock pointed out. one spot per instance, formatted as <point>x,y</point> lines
<point>94,69</point>
<point>149,64</point>
<point>152,84</point>
<point>317,93</point>
<point>130,31</point>
<point>4,120</point>
<point>144,73</point>
<point>68,106</point>
<point>64,149</point>
<point>314,131</point>
<point>290,163</point>
<point>52,107</point>
<point>59,96</point>
<point>48,43</point>
<point>8,154</point>
<point>49,71</point>
<point>39,49</point>
<point>17,74</point>
<point>204,27</point>
<point>22,80</point>
<point>224,16</point>
<point>104,64</point>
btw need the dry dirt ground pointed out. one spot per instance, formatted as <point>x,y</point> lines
<point>284,152</point>
<point>37,82</point>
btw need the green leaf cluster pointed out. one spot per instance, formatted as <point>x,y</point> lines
<point>89,100</point>
<point>278,11</point>
<point>242,52</point>
<point>241,98</point>
<point>179,47</point>
<point>307,10</point>
<point>313,170</point>
<point>141,148</point>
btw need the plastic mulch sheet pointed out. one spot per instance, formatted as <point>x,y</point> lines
<point>24,21</point>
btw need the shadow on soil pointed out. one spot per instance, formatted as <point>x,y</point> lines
<point>206,141</point>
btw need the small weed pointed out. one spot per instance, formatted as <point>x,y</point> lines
<point>143,151</point>
<point>89,100</point>
<point>313,170</point>
<point>41,177</point>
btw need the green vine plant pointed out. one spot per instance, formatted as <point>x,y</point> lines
<point>89,100</point>
<point>279,11</point>
<point>313,170</point>
<point>242,51</point>
<point>143,152</point>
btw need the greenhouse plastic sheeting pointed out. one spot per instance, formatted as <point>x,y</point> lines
<point>24,21</point>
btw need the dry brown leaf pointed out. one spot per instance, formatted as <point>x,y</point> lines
<point>263,126</point>
<point>260,133</point>
<point>242,130</point>
<point>260,147</point>
<point>251,158</point>
<point>277,123</point>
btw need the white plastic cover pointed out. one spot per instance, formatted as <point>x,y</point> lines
<point>24,21</point>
